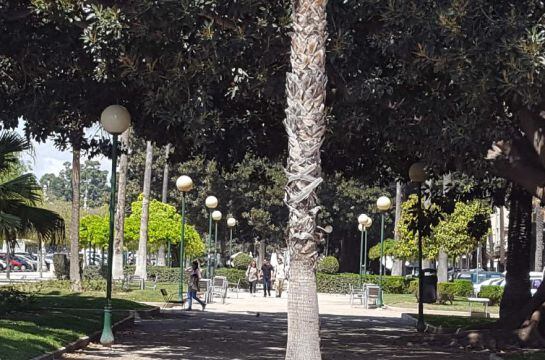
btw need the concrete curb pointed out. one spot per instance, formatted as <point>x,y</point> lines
<point>85,340</point>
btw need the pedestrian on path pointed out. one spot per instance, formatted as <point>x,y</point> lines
<point>280,274</point>
<point>267,273</point>
<point>252,275</point>
<point>193,285</point>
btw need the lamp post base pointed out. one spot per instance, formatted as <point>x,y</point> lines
<point>420,325</point>
<point>107,337</point>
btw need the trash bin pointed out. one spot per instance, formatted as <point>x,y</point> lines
<point>429,286</point>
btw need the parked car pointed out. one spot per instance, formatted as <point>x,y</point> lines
<point>535,281</point>
<point>15,264</point>
<point>3,265</point>
<point>477,276</point>
<point>25,257</point>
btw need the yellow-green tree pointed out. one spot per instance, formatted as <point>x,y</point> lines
<point>94,230</point>
<point>164,225</point>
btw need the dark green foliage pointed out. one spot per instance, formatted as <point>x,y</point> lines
<point>492,292</point>
<point>339,283</point>
<point>449,290</point>
<point>328,265</point>
<point>164,273</point>
<point>12,299</point>
<point>463,288</point>
<point>233,276</point>
<point>62,266</point>
<point>94,272</point>
<point>242,261</point>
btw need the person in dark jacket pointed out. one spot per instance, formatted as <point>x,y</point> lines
<point>193,285</point>
<point>267,274</point>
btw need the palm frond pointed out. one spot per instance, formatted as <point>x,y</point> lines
<point>8,222</point>
<point>11,143</point>
<point>45,224</point>
<point>24,188</point>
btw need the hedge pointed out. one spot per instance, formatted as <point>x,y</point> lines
<point>233,276</point>
<point>242,261</point>
<point>328,265</point>
<point>492,292</point>
<point>164,273</point>
<point>340,283</point>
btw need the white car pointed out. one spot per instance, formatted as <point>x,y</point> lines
<point>493,281</point>
<point>535,282</point>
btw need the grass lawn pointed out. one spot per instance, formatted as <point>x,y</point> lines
<point>456,322</point>
<point>409,301</point>
<point>528,356</point>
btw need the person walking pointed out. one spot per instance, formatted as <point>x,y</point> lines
<point>252,275</point>
<point>267,273</point>
<point>280,274</point>
<point>193,285</point>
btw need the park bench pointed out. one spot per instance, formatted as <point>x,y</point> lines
<point>477,300</point>
<point>128,280</point>
<point>168,299</point>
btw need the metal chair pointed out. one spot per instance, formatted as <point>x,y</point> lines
<point>234,287</point>
<point>168,300</point>
<point>357,293</point>
<point>372,293</point>
<point>219,287</point>
<point>205,289</point>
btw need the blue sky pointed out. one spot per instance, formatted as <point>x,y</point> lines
<point>48,159</point>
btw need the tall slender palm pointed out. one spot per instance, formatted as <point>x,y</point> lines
<point>19,197</point>
<point>305,126</point>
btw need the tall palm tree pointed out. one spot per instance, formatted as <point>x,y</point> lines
<point>305,126</point>
<point>19,197</point>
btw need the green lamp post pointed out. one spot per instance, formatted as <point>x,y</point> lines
<point>417,174</point>
<point>184,184</point>
<point>211,203</point>
<point>362,223</point>
<point>231,223</point>
<point>383,205</point>
<point>216,216</point>
<point>115,119</point>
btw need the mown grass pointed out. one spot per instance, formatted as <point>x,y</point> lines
<point>408,301</point>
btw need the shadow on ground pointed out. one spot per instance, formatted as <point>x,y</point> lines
<point>212,335</point>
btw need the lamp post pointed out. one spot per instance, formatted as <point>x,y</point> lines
<point>115,119</point>
<point>211,203</point>
<point>328,230</point>
<point>231,223</point>
<point>383,205</point>
<point>216,216</point>
<point>362,222</point>
<point>184,184</point>
<point>417,174</point>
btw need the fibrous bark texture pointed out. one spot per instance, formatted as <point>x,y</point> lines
<point>305,126</point>
<point>141,260</point>
<point>75,278</point>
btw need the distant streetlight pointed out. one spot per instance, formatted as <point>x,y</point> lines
<point>417,174</point>
<point>184,184</point>
<point>383,205</point>
<point>211,203</point>
<point>231,223</point>
<point>328,229</point>
<point>216,216</point>
<point>362,224</point>
<point>115,119</point>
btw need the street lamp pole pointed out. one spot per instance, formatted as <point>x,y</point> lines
<point>184,184</point>
<point>417,175</point>
<point>231,223</point>
<point>115,119</point>
<point>216,216</point>
<point>383,205</point>
<point>211,203</point>
<point>363,220</point>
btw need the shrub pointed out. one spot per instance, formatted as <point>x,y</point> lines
<point>94,285</point>
<point>164,273</point>
<point>493,292</point>
<point>340,283</point>
<point>446,292</point>
<point>463,288</point>
<point>328,265</point>
<point>62,266</point>
<point>12,299</point>
<point>242,261</point>
<point>95,272</point>
<point>413,287</point>
<point>234,275</point>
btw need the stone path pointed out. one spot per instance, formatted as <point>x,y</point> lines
<point>259,332</point>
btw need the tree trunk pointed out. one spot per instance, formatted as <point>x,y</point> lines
<point>517,287</point>
<point>305,126</point>
<point>442,266</point>
<point>143,240</point>
<point>75,278</point>
<point>161,260</point>
<point>501,266</point>
<point>538,259</point>
<point>397,268</point>
<point>117,265</point>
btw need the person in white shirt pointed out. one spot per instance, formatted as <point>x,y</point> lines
<point>280,272</point>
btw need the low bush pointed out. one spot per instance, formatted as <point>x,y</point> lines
<point>463,288</point>
<point>328,265</point>
<point>340,283</point>
<point>233,276</point>
<point>95,272</point>
<point>12,299</point>
<point>164,273</point>
<point>445,292</point>
<point>242,261</point>
<point>492,292</point>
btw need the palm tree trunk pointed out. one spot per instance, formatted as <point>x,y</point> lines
<point>501,266</point>
<point>117,265</point>
<point>161,253</point>
<point>305,126</point>
<point>397,268</point>
<point>143,240</point>
<point>538,259</point>
<point>75,278</point>
<point>442,258</point>
<point>517,288</point>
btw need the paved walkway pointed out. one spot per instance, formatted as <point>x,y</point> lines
<point>255,328</point>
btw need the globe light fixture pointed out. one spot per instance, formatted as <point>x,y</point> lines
<point>211,202</point>
<point>184,183</point>
<point>216,215</point>
<point>384,203</point>
<point>362,219</point>
<point>328,229</point>
<point>115,119</point>
<point>417,172</point>
<point>231,223</point>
